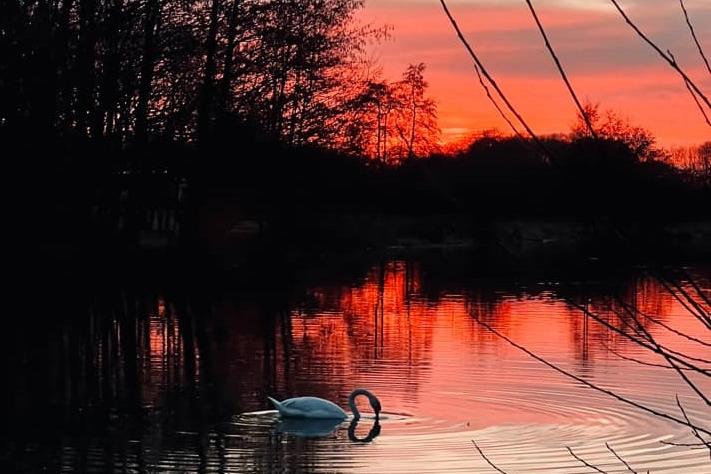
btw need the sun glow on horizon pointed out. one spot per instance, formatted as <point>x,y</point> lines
<point>605,61</point>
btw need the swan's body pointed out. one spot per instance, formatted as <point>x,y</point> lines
<point>313,407</point>
<point>308,407</point>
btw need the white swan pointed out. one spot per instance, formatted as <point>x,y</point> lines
<point>313,407</point>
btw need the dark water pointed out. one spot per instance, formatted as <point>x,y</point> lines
<point>166,378</point>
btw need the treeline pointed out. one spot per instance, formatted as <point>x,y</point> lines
<point>495,176</point>
<point>133,72</point>
<point>270,99</point>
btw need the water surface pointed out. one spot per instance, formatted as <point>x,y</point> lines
<point>165,380</point>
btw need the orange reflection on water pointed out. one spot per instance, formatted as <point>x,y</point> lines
<point>425,355</point>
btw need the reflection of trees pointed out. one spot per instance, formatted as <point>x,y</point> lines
<point>134,365</point>
<point>627,318</point>
<point>131,365</point>
<point>348,339</point>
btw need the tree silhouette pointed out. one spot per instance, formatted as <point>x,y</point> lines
<point>393,121</point>
<point>136,71</point>
<point>611,126</point>
<point>416,119</point>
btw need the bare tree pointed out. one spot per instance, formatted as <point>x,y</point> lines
<point>416,116</point>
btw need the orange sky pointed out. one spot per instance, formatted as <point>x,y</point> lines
<point>605,61</point>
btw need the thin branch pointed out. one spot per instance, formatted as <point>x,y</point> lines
<point>496,104</point>
<point>679,357</point>
<point>697,288</point>
<point>583,113</point>
<point>487,459</point>
<point>693,35</point>
<point>681,373</point>
<point>700,315</point>
<point>590,384</point>
<point>609,448</point>
<point>587,464</point>
<point>641,362</point>
<point>686,445</point>
<point>671,61</point>
<point>664,325</point>
<point>700,309</point>
<point>671,353</point>
<point>492,81</point>
<point>698,104</point>
<point>693,430</point>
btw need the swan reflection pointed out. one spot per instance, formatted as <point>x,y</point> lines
<point>308,427</point>
<point>372,434</point>
<point>319,428</point>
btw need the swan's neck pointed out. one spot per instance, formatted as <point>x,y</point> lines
<point>374,402</point>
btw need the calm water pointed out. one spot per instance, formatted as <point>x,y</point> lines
<point>166,380</point>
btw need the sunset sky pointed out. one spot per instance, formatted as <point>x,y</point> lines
<point>605,60</point>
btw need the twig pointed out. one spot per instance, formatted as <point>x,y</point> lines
<point>701,316</point>
<point>696,287</point>
<point>671,62</point>
<point>590,384</point>
<point>686,445</point>
<point>587,464</point>
<point>671,353</point>
<point>501,112</point>
<point>693,95</point>
<point>620,458</point>
<point>693,35</point>
<point>678,370</point>
<point>656,347</point>
<point>583,113</point>
<point>498,469</point>
<point>641,362</point>
<point>698,104</point>
<point>492,81</point>
<point>664,325</point>
<point>693,429</point>
<point>700,309</point>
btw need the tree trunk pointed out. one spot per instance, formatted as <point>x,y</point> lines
<point>63,87</point>
<point>411,145</point>
<point>151,26</point>
<point>86,69</point>
<point>205,107</point>
<point>227,72</point>
<point>109,85</point>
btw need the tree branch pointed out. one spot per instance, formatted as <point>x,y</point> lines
<point>583,113</point>
<point>609,448</point>
<point>487,459</point>
<point>492,81</point>
<point>590,384</point>
<point>669,60</point>
<point>693,35</point>
<point>587,464</point>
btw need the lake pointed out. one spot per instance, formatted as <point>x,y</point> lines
<point>160,376</point>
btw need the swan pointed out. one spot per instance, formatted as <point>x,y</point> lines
<point>314,407</point>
